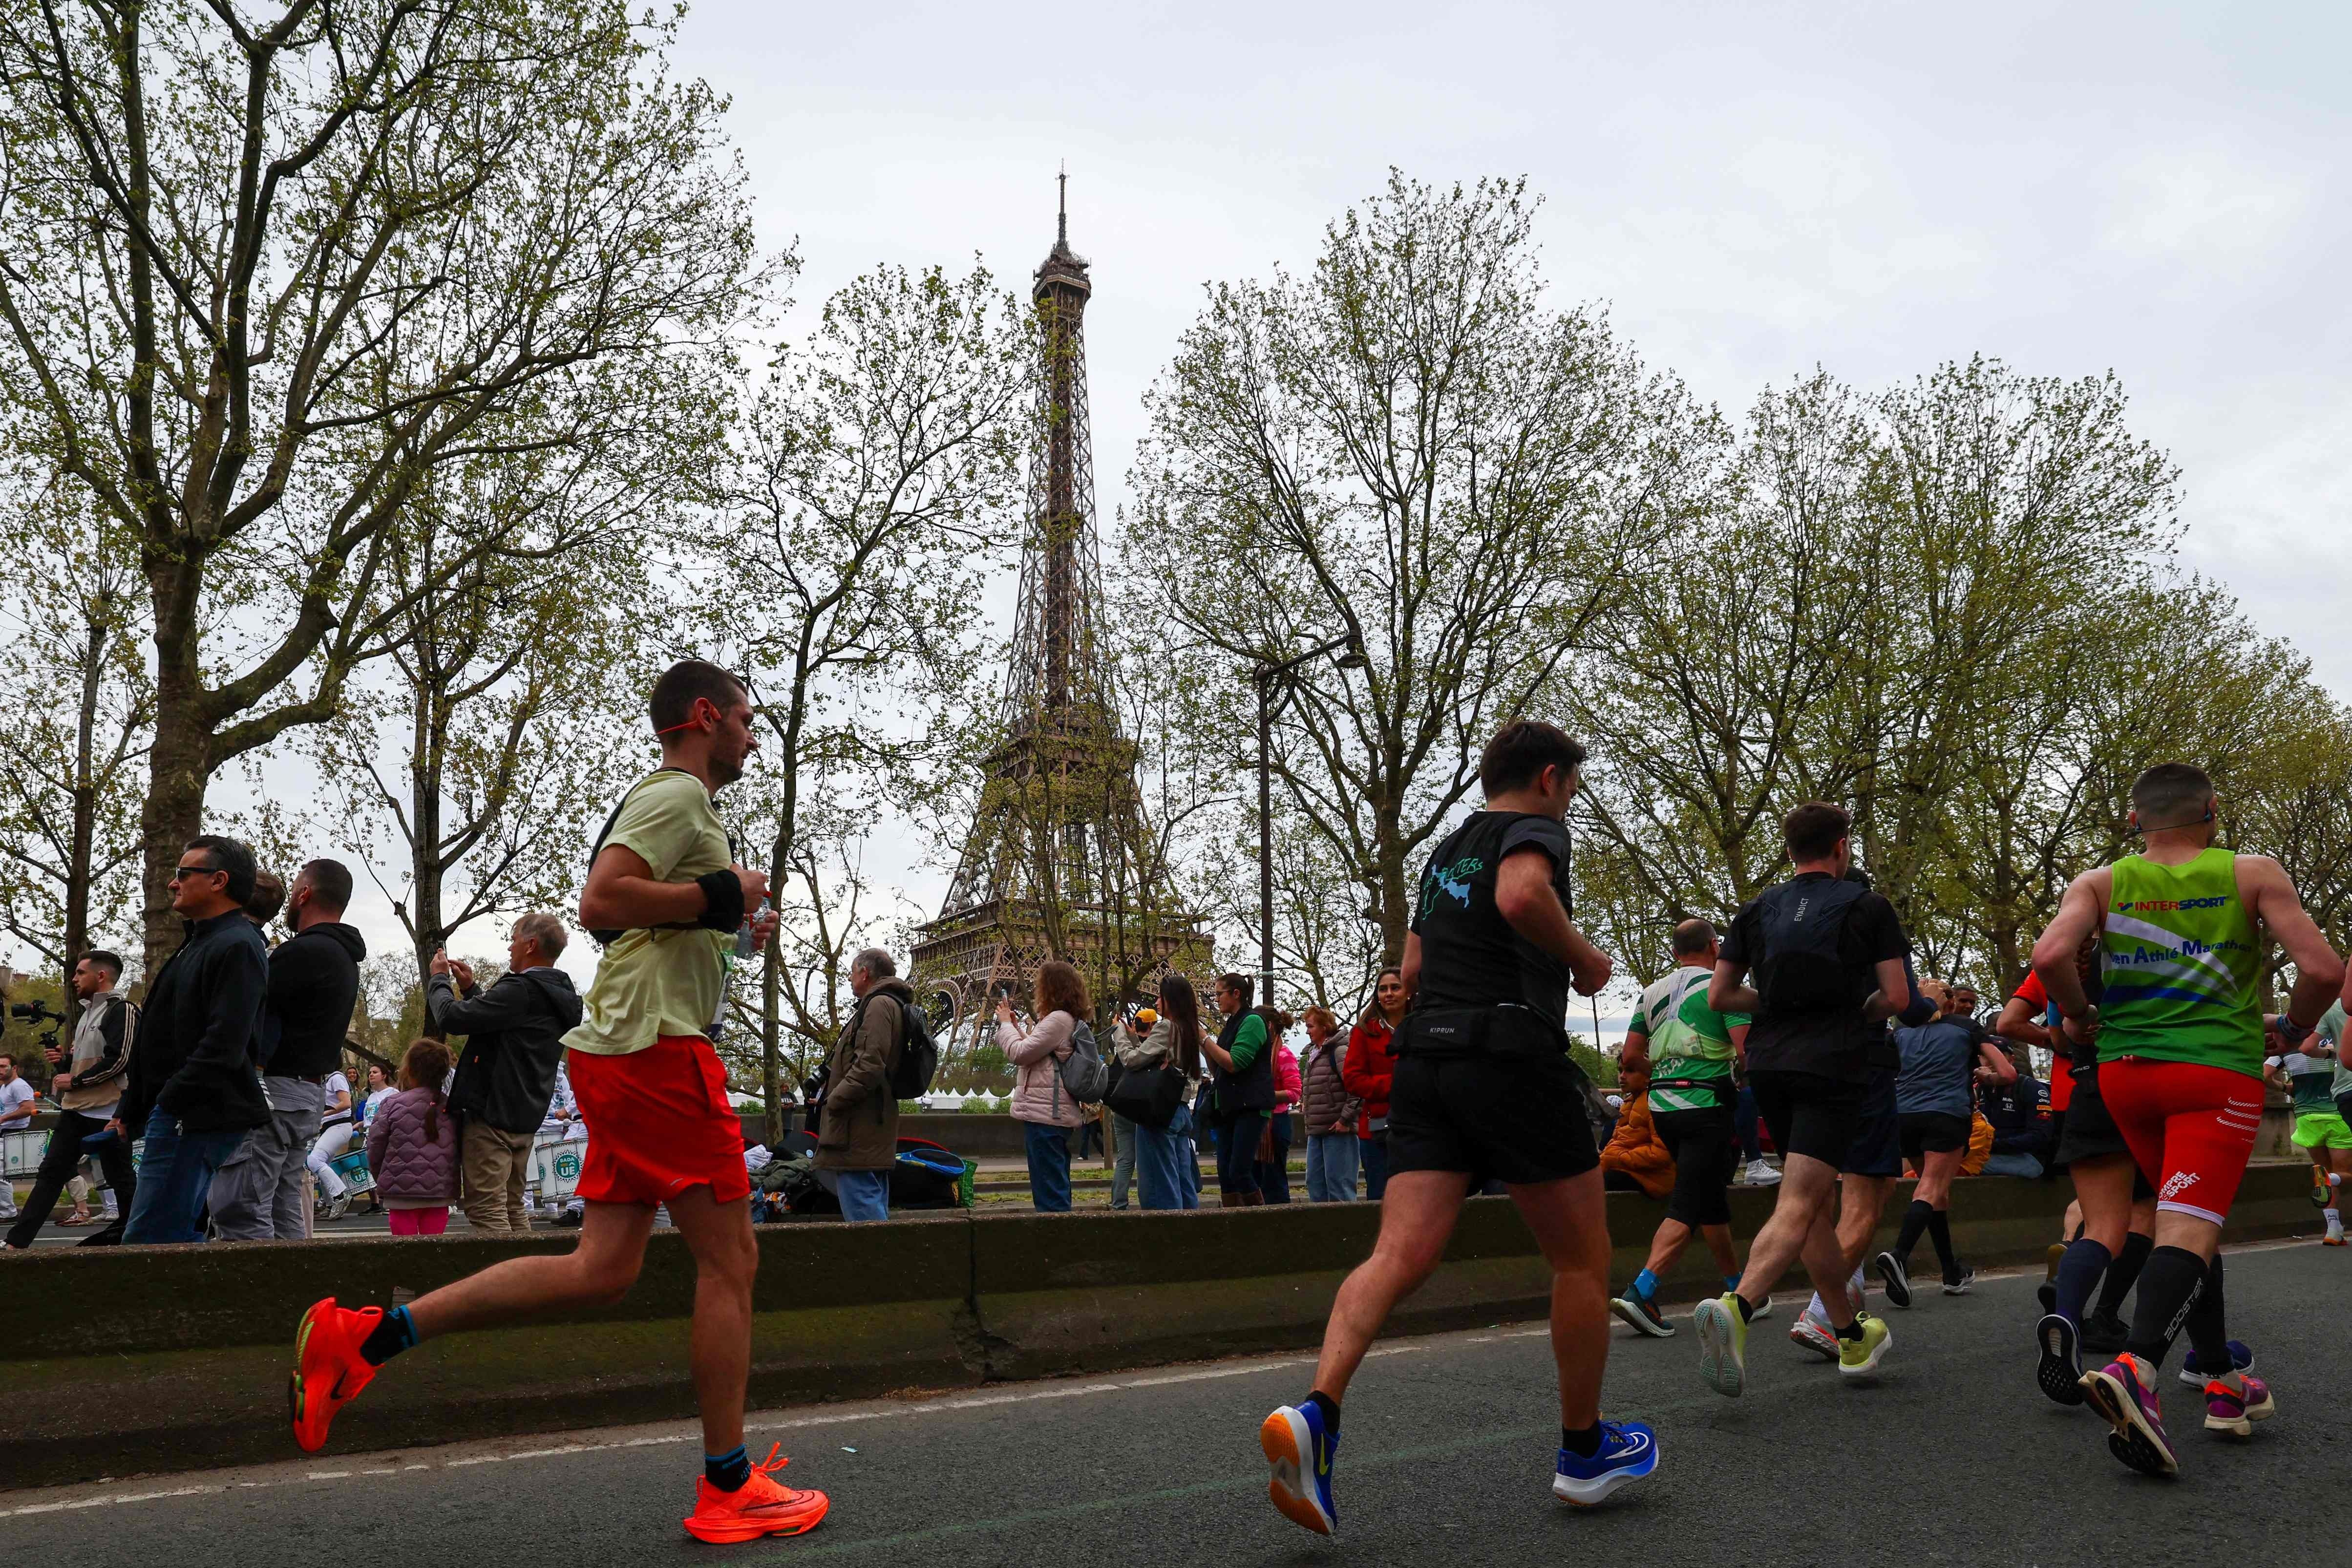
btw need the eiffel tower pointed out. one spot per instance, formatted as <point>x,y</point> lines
<point>1058,863</point>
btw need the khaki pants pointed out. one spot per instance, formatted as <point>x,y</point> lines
<point>495,1165</point>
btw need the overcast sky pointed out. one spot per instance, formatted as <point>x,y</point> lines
<point>1752,190</point>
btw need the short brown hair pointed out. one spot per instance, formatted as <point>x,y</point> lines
<point>1520,751</point>
<point>424,1065</point>
<point>1321,1018</point>
<point>268,896</point>
<point>330,882</point>
<point>1814,829</point>
<point>1062,989</point>
<point>1693,938</point>
<point>2170,790</point>
<point>685,683</point>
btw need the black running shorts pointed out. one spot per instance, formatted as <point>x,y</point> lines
<point>1515,1119</point>
<point>2091,1133</point>
<point>1933,1132</point>
<point>1877,1146</point>
<point>1705,1153</point>
<point>1807,1114</point>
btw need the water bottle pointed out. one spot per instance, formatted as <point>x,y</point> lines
<point>746,945</point>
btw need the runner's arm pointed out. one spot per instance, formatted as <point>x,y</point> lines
<point>1409,966</point>
<point>1996,1062</point>
<point>1740,1043</point>
<point>2080,914</point>
<point>1635,1052</point>
<point>622,894</point>
<point>2017,1022</point>
<point>1524,895</point>
<point>2318,971</point>
<point>1893,984</point>
<point>1729,991</point>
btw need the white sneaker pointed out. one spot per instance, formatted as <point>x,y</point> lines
<point>1759,1174</point>
<point>1813,1332</point>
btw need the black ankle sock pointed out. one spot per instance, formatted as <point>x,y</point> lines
<point>2209,1331</point>
<point>1747,1312</point>
<point>1851,1331</point>
<point>2078,1270</point>
<point>393,1333</point>
<point>1939,1231</point>
<point>1915,1222</point>
<point>1331,1408</point>
<point>2168,1290</point>
<point>2124,1273</point>
<point>727,1471</point>
<point>1584,1442</point>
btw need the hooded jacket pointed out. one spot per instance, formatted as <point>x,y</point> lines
<point>410,1168</point>
<point>198,1055</point>
<point>514,1042</point>
<point>314,982</point>
<point>860,1131</point>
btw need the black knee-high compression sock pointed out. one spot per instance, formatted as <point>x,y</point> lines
<point>2209,1327</point>
<point>2124,1273</point>
<point>2167,1288</point>
<point>1915,1222</point>
<point>1939,1231</point>
<point>2079,1270</point>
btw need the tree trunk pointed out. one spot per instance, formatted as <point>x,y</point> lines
<point>772,1012</point>
<point>85,808</point>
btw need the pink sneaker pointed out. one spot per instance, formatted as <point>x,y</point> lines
<point>2124,1394</point>
<point>2235,1411</point>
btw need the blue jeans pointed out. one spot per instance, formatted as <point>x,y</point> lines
<point>1375,1150</point>
<point>1743,1126</point>
<point>175,1173</point>
<point>1165,1166</point>
<point>864,1194</point>
<point>2013,1165</point>
<point>1049,1166</point>
<point>1237,1152</point>
<point>1331,1167</point>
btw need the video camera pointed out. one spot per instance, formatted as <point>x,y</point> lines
<point>35,1012</point>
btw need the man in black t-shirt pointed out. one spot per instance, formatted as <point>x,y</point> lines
<point>1484,1088</point>
<point>1827,955</point>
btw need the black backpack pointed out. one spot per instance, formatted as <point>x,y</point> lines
<point>918,1056</point>
<point>1802,931</point>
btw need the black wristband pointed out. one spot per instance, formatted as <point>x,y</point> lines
<point>723,893</point>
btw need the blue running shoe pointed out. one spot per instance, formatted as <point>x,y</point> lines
<point>1300,1451</point>
<point>2197,1375</point>
<point>1629,1450</point>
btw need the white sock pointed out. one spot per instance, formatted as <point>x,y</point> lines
<point>1816,1309</point>
<point>2335,1222</point>
<point>1860,1291</point>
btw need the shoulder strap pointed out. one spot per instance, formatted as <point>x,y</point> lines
<point>609,935</point>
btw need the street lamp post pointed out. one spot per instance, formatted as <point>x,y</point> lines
<point>1265,676</point>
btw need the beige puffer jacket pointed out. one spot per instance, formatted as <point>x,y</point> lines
<point>1037,1090</point>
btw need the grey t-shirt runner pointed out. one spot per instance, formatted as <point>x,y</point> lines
<point>1938,1065</point>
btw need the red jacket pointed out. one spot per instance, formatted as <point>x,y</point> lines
<point>1367,1068</point>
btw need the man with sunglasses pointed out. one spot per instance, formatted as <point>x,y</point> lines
<point>193,1089</point>
<point>664,896</point>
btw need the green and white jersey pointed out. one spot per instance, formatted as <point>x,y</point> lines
<point>2312,1080</point>
<point>2182,966</point>
<point>2331,1029</point>
<point>1690,1043</point>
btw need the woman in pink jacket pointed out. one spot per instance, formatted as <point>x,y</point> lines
<point>412,1145</point>
<point>1036,1052</point>
<point>1274,1149</point>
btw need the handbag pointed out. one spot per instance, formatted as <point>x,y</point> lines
<point>1148,1097</point>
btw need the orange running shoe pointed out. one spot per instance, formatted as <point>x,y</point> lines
<point>329,1371</point>
<point>759,1507</point>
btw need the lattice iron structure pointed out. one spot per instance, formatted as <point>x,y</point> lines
<point>1059,862</point>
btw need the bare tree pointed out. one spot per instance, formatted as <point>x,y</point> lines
<point>261,274</point>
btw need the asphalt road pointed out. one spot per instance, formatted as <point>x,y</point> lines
<point>1951,1457</point>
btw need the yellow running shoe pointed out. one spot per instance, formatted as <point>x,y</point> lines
<point>1723,1344</point>
<point>1860,1358</point>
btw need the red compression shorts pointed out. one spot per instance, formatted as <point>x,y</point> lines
<point>659,1121</point>
<point>2190,1128</point>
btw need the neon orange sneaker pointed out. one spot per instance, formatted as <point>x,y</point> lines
<point>760,1508</point>
<point>329,1371</point>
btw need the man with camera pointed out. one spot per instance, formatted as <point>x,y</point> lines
<point>506,1080</point>
<point>194,1087</point>
<point>88,1084</point>
<point>314,982</point>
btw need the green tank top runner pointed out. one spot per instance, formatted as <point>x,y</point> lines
<point>2182,966</point>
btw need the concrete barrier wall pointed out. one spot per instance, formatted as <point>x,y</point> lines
<point>169,1358</point>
